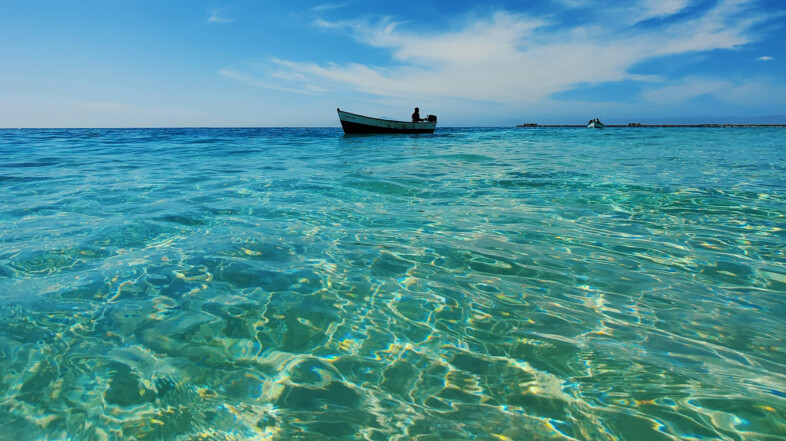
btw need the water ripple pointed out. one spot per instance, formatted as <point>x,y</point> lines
<point>500,284</point>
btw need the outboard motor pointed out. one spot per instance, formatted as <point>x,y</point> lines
<point>431,118</point>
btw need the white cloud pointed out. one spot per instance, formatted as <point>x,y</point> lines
<point>574,4</point>
<point>243,77</point>
<point>686,89</point>
<point>507,57</point>
<point>663,8</point>
<point>631,12</point>
<point>648,9</point>
<point>756,91</point>
<point>215,17</point>
<point>765,58</point>
<point>329,6</point>
<point>749,92</point>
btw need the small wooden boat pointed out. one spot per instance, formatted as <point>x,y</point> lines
<point>595,124</point>
<point>357,124</point>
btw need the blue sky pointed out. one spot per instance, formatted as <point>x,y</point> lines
<point>115,63</point>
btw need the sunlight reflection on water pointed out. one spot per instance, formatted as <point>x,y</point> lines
<point>476,284</point>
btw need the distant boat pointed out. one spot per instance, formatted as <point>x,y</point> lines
<point>595,124</point>
<point>353,123</point>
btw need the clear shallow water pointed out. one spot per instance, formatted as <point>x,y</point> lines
<point>490,284</point>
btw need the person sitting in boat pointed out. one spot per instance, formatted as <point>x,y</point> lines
<point>416,116</point>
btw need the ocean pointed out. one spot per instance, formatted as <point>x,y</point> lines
<point>475,284</point>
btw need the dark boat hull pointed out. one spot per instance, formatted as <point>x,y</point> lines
<point>352,128</point>
<point>359,124</point>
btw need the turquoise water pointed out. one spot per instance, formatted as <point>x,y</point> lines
<point>484,284</point>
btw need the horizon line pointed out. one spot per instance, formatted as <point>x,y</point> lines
<point>632,125</point>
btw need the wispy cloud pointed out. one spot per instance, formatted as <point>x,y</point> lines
<point>649,9</point>
<point>329,6</point>
<point>765,58</point>
<point>747,92</point>
<point>686,89</point>
<point>106,106</point>
<point>508,57</point>
<point>246,78</point>
<point>630,12</point>
<point>215,17</point>
<point>574,4</point>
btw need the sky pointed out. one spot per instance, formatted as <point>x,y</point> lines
<point>260,63</point>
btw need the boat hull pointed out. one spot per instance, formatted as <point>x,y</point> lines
<point>595,125</point>
<point>358,124</point>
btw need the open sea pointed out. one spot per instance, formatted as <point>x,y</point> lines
<point>474,284</point>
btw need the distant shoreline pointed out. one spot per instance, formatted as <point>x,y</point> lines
<point>527,125</point>
<point>636,125</point>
